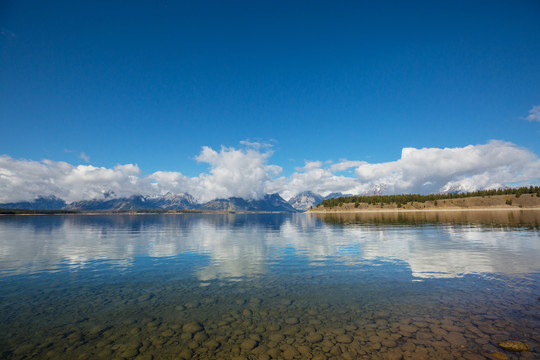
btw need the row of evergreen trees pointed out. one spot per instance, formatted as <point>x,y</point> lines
<point>403,199</point>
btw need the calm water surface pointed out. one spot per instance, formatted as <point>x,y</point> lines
<point>442,285</point>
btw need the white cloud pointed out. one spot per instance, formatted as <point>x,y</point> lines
<point>319,180</point>
<point>246,173</point>
<point>310,165</point>
<point>85,157</point>
<point>346,164</point>
<point>26,179</point>
<point>233,172</point>
<point>469,168</point>
<point>534,113</point>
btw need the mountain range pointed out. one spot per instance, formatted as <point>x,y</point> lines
<point>170,201</point>
<point>270,202</point>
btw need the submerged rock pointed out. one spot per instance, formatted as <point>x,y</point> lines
<point>314,338</point>
<point>249,344</point>
<point>344,339</point>
<point>499,356</point>
<point>276,337</point>
<point>516,346</point>
<point>193,327</point>
<point>292,321</point>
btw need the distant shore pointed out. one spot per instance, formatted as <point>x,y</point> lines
<point>129,212</point>
<point>475,203</point>
<point>509,208</point>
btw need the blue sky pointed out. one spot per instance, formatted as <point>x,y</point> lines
<point>133,82</point>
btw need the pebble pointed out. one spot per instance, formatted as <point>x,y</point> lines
<point>455,339</point>
<point>23,349</point>
<point>129,350</point>
<point>290,353</point>
<point>200,336</point>
<point>145,357</point>
<point>292,321</point>
<point>129,353</point>
<point>291,330</point>
<point>498,356</point>
<point>192,327</point>
<point>389,343</point>
<point>276,337</point>
<point>304,350</point>
<point>185,336</point>
<point>407,328</point>
<point>274,353</point>
<point>211,344</point>
<point>185,354</point>
<point>516,346</point>
<point>344,339</point>
<point>393,355</point>
<point>248,344</point>
<point>314,338</point>
<point>273,327</point>
<point>167,333</point>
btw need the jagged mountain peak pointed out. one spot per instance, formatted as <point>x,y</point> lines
<point>378,189</point>
<point>270,202</point>
<point>305,200</point>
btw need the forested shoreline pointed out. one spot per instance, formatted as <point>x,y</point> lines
<point>403,199</point>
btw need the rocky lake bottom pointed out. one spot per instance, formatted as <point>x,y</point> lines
<point>270,287</point>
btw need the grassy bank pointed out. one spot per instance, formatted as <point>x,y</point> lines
<point>509,201</point>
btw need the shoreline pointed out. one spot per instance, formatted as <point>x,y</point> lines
<point>219,212</point>
<point>421,210</point>
<point>347,211</point>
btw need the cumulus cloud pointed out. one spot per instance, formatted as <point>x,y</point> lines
<point>246,172</point>
<point>235,172</point>
<point>468,168</point>
<point>232,172</point>
<point>314,177</point>
<point>27,179</point>
<point>534,113</point>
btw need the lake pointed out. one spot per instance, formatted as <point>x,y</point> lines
<point>424,285</point>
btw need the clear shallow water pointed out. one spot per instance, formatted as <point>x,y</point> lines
<point>421,285</point>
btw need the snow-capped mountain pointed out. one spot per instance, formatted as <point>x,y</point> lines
<point>270,202</point>
<point>377,189</point>
<point>169,201</point>
<point>172,201</point>
<point>305,200</point>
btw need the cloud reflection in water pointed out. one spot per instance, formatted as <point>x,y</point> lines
<point>237,246</point>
